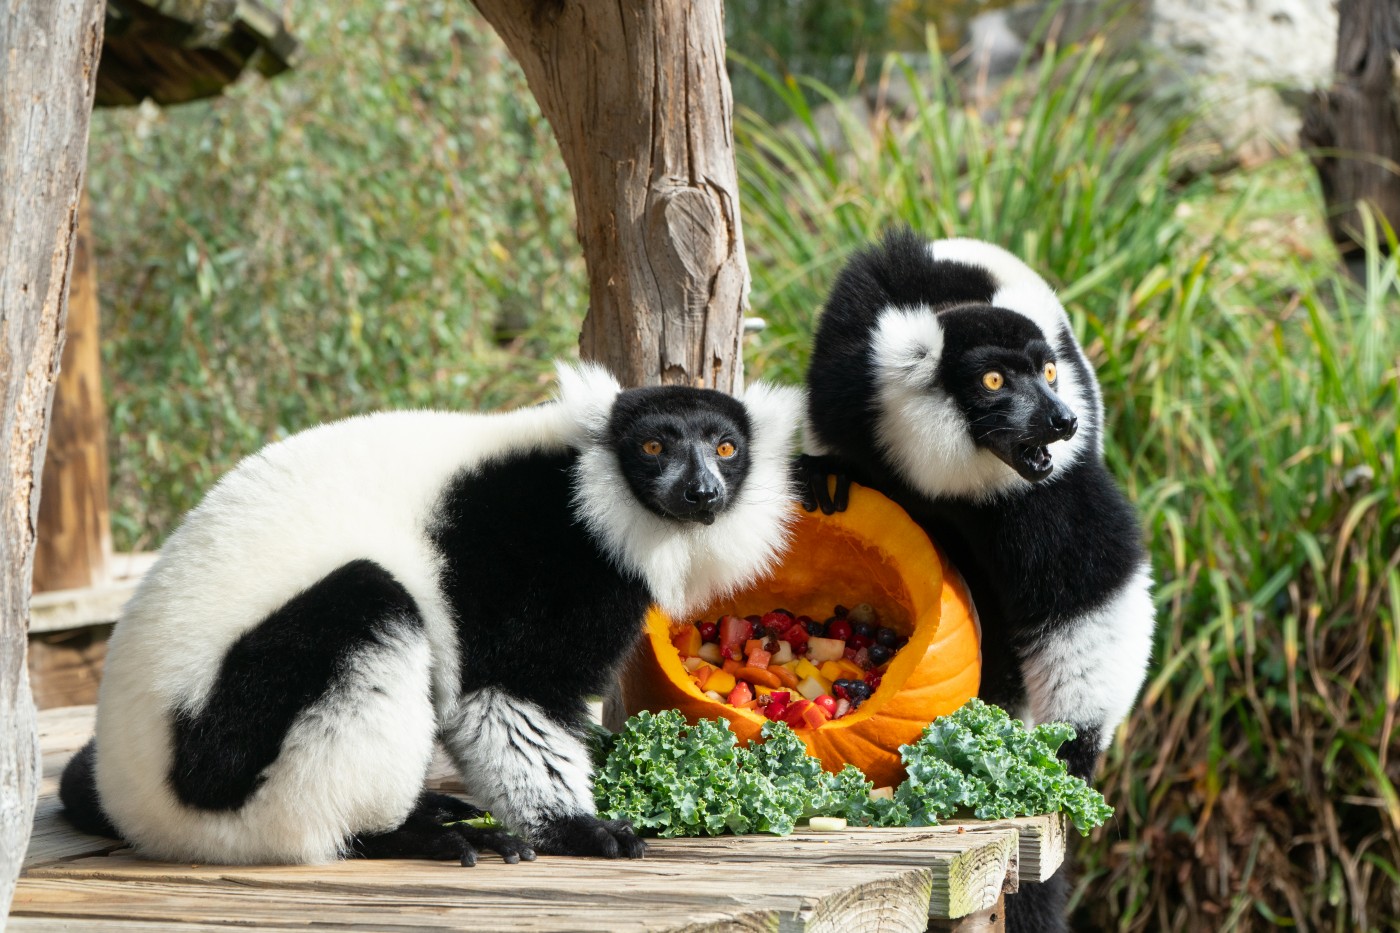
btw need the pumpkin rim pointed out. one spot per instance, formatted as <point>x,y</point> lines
<point>915,556</point>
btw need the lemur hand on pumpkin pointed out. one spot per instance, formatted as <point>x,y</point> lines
<point>344,597</point>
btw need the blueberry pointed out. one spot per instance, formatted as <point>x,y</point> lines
<point>754,619</point>
<point>864,629</point>
<point>859,690</point>
<point>816,629</point>
<point>840,611</point>
<point>760,630</point>
<point>886,637</point>
<point>879,654</point>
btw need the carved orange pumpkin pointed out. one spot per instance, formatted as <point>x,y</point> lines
<point>873,553</point>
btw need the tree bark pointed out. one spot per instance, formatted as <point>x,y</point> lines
<point>1353,128</point>
<point>74,543</point>
<point>639,100</point>
<point>48,66</point>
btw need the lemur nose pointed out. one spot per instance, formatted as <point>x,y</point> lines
<point>1064,424</point>
<point>701,495</point>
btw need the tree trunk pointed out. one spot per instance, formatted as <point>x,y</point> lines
<point>1353,128</point>
<point>639,99</point>
<point>75,536</point>
<point>48,65</point>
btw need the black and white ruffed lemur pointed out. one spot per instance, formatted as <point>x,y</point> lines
<point>343,598</point>
<point>945,375</point>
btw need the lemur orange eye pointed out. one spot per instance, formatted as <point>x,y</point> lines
<point>652,448</point>
<point>1050,372</point>
<point>726,450</point>
<point>992,380</point>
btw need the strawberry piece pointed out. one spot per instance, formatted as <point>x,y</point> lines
<point>793,716</point>
<point>733,632</point>
<point>777,622</point>
<point>797,637</point>
<point>741,694</point>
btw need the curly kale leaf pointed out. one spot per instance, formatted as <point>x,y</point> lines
<point>980,761</point>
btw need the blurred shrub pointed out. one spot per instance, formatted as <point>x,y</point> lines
<point>388,225</point>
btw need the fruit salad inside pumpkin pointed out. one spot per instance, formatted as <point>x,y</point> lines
<point>872,553</point>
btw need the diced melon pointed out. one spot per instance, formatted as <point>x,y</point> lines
<point>831,670</point>
<point>825,649</point>
<point>805,668</point>
<point>710,652</point>
<point>850,670</point>
<point>762,691</point>
<point>813,687</point>
<point>752,645</point>
<point>882,793</point>
<point>784,653</point>
<point>759,659</point>
<point>687,641</point>
<point>720,682</point>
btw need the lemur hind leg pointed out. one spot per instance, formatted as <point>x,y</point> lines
<point>426,835</point>
<point>533,773</point>
<point>1087,671</point>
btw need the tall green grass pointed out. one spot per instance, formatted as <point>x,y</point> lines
<point>1252,417</point>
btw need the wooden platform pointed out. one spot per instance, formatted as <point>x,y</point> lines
<point>951,877</point>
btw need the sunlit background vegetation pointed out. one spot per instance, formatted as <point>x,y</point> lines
<point>390,225</point>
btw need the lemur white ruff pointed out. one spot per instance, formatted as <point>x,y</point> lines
<point>341,598</point>
<point>946,375</point>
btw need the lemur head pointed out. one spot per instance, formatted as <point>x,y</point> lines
<point>952,365</point>
<point>684,452</point>
<point>688,488</point>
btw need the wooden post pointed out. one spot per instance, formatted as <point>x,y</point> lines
<point>48,67</point>
<point>1353,128</point>
<point>640,103</point>
<point>75,538</point>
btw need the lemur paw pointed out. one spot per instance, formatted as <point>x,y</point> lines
<point>812,475</point>
<point>590,836</point>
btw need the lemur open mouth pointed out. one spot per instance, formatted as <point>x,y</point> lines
<point>1034,463</point>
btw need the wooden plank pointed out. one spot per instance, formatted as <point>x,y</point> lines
<point>66,667</point>
<point>587,894</point>
<point>61,610</point>
<point>991,920</point>
<point>1041,850</point>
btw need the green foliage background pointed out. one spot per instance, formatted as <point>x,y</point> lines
<point>390,225</point>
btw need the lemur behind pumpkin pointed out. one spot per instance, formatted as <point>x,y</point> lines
<point>344,597</point>
<point>945,374</point>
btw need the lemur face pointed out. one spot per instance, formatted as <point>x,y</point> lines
<point>683,451</point>
<point>1002,373</point>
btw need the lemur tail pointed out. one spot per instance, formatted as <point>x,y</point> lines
<point>78,791</point>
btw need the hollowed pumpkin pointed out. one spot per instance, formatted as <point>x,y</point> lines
<point>874,553</point>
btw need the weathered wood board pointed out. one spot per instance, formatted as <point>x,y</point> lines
<point>888,879</point>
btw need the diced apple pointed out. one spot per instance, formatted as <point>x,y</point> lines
<point>813,687</point>
<point>720,682</point>
<point>882,793</point>
<point>843,706</point>
<point>710,694</point>
<point>826,824</point>
<point>783,654</point>
<point>825,649</point>
<point>710,652</point>
<point>692,663</point>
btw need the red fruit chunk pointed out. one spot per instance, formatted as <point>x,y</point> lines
<point>759,658</point>
<point>733,632</point>
<point>797,637</point>
<point>793,717</point>
<point>873,678</point>
<point>740,695</point>
<point>777,622</point>
<point>708,631</point>
<point>849,653</point>
<point>687,641</point>
<point>840,630</point>
<point>859,641</point>
<point>781,696</point>
<point>827,703</point>
<point>863,659</point>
